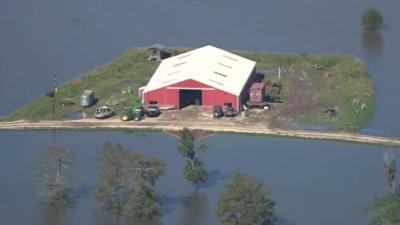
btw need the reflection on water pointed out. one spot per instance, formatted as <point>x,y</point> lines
<point>103,218</point>
<point>390,168</point>
<point>195,209</point>
<point>215,177</point>
<point>303,176</point>
<point>372,43</point>
<point>52,215</point>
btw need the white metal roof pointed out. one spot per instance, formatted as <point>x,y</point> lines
<point>157,46</point>
<point>208,65</point>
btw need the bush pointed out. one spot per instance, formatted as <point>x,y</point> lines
<point>246,202</point>
<point>386,211</point>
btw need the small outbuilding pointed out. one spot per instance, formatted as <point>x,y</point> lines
<point>87,98</point>
<point>257,92</point>
<point>157,52</point>
<point>205,76</point>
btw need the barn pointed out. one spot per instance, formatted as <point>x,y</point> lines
<point>205,76</point>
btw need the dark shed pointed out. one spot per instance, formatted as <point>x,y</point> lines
<point>157,52</point>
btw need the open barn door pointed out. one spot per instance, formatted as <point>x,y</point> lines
<point>189,97</point>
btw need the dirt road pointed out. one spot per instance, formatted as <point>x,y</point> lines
<point>226,125</point>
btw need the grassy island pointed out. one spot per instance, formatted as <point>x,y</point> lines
<point>333,91</point>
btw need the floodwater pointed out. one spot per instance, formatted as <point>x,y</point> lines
<point>313,182</point>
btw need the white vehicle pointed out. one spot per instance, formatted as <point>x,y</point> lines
<point>103,112</point>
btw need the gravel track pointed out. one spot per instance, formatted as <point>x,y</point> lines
<point>228,126</point>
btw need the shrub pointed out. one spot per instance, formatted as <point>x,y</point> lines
<point>372,19</point>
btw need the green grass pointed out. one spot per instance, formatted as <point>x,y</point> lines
<point>349,81</point>
<point>132,70</point>
<point>348,88</point>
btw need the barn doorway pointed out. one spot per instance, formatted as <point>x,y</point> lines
<point>189,97</point>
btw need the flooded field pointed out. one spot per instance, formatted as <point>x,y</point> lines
<point>309,179</point>
<point>313,182</point>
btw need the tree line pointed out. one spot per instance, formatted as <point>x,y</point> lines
<point>128,180</point>
<point>128,185</point>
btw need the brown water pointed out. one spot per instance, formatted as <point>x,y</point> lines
<point>313,182</point>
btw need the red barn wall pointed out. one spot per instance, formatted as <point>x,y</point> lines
<point>218,97</point>
<point>170,95</point>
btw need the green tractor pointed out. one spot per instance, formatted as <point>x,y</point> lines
<point>132,113</point>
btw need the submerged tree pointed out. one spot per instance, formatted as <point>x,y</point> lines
<point>53,175</point>
<point>195,170</point>
<point>371,19</point>
<point>390,168</point>
<point>128,186</point>
<point>246,202</point>
<point>386,211</point>
<point>144,202</point>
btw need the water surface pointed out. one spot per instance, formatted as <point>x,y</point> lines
<point>313,182</point>
<point>42,38</point>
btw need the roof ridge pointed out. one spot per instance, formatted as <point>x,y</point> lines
<point>211,65</point>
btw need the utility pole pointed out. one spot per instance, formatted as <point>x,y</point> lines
<point>279,72</point>
<point>54,96</point>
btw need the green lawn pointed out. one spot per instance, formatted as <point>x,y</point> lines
<point>310,84</point>
<point>109,82</point>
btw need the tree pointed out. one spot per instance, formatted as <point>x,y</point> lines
<point>144,202</point>
<point>128,186</point>
<point>112,163</point>
<point>196,173</point>
<point>53,175</point>
<point>246,202</point>
<point>195,170</point>
<point>371,19</point>
<point>386,211</point>
<point>147,169</point>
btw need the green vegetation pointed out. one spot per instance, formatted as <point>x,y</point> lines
<point>53,175</point>
<point>195,170</point>
<point>386,211</point>
<point>310,86</point>
<point>313,85</point>
<point>246,202</point>
<point>128,182</point>
<point>372,19</point>
<point>110,83</point>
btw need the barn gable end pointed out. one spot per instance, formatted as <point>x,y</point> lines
<point>207,76</point>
